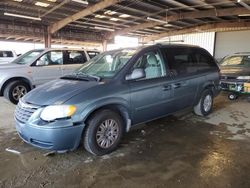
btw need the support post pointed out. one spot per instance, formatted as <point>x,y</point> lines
<point>104,45</point>
<point>47,38</point>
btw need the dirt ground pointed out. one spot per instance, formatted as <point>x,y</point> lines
<point>177,151</point>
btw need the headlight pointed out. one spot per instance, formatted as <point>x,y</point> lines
<point>51,113</point>
<point>243,77</point>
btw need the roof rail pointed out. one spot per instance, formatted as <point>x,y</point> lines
<point>242,53</point>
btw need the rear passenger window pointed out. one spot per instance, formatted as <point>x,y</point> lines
<point>180,61</point>
<point>6,54</point>
<point>183,61</point>
<point>75,57</point>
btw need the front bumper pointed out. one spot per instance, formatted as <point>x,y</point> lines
<point>57,138</point>
<point>235,86</point>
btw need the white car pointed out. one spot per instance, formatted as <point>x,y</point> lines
<point>37,67</point>
<point>7,56</point>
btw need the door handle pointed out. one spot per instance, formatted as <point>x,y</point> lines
<point>166,87</point>
<point>177,85</point>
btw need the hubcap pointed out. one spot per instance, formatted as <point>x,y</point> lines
<point>107,133</point>
<point>231,96</point>
<point>207,103</point>
<point>18,92</point>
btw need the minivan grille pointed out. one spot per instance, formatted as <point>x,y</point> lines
<point>24,111</point>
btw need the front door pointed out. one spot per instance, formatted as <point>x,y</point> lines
<point>48,67</point>
<point>151,97</point>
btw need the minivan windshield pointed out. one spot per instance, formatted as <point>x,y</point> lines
<point>237,60</point>
<point>107,64</point>
<point>27,57</point>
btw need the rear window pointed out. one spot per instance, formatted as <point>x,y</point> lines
<point>6,54</point>
<point>92,54</point>
<point>237,60</point>
<point>188,60</point>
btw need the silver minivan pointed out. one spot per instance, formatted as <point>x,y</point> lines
<point>37,67</point>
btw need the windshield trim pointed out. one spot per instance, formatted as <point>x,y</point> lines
<point>27,53</point>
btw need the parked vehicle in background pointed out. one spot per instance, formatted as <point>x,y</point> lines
<point>115,90</point>
<point>92,53</point>
<point>7,56</point>
<point>37,67</point>
<point>235,74</point>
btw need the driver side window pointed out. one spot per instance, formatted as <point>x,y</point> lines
<point>51,58</point>
<point>152,64</point>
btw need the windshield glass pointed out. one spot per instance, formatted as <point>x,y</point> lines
<point>240,60</point>
<point>107,64</point>
<point>27,57</point>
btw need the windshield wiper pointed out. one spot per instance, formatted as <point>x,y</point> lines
<point>74,77</point>
<point>84,75</point>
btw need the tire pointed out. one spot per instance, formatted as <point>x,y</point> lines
<point>15,90</point>
<point>232,96</point>
<point>205,105</point>
<point>96,127</point>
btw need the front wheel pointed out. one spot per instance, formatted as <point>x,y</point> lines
<point>103,133</point>
<point>205,105</point>
<point>16,90</point>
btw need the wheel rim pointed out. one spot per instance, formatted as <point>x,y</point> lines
<point>107,133</point>
<point>18,92</point>
<point>207,103</point>
<point>231,96</point>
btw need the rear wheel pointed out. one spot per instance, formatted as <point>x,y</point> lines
<point>16,90</point>
<point>232,96</point>
<point>103,133</point>
<point>205,105</point>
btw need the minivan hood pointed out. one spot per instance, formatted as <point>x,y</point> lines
<point>235,71</point>
<point>11,66</point>
<point>57,91</point>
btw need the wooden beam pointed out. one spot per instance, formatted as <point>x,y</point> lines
<point>54,40</point>
<point>55,7</point>
<point>26,39</point>
<point>185,15</point>
<point>85,12</point>
<point>232,26</point>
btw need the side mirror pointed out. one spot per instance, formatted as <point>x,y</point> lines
<point>39,62</point>
<point>136,74</point>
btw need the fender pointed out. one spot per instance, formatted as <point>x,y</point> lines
<point>103,102</point>
<point>8,79</point>
<point>209,84</point>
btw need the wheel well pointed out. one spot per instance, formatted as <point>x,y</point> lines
<point>199,95</point>
<point>120,109</point>
<point>210,86</point>
<point>14,79</point>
